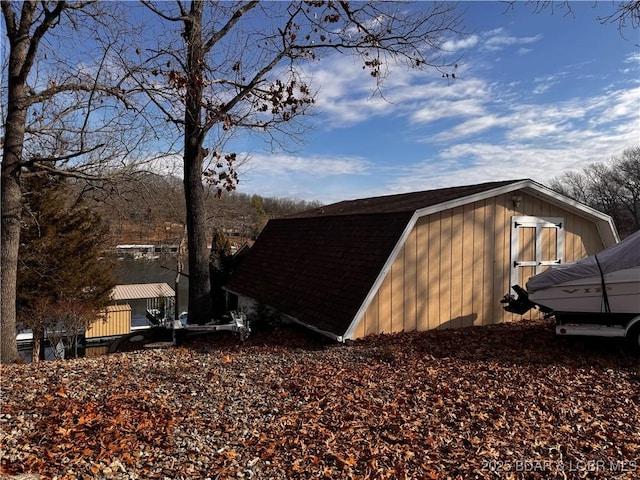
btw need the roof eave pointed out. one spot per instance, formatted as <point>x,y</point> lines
<point>331,335</point>
<point>326,333</point>
<point>604,223</point>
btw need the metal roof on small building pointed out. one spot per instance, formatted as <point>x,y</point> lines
<point>138,291</point>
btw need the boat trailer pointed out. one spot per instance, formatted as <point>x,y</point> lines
<point>591,324</point>
<point>236,323</point>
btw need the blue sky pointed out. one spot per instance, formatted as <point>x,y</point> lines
<point>536,95</point>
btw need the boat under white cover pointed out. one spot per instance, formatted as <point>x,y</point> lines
<point>608,282</point>
<point>585,295</point>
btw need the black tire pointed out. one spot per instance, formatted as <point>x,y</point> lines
<point>633,339</point>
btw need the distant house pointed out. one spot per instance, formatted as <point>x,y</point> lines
<point>117,318</point>
<point>417,261</point>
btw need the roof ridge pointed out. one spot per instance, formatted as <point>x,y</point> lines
<point>401,202</point>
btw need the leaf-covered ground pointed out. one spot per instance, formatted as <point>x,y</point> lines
<point>506,401</point>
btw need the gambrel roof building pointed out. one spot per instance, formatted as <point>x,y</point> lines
<point>416,261</point>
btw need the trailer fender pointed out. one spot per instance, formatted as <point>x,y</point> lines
<point>633,335</point>
<point>633,322</point>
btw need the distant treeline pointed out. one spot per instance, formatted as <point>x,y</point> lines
<point>150,208</point>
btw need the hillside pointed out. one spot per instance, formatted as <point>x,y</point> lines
<point>505,401</point>
<point>149,209</point>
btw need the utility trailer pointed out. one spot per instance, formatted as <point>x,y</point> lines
<point>160,311</point>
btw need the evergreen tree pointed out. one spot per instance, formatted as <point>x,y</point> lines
<point>260,214</point>
<point>219,265</point>
<point>63,280</point>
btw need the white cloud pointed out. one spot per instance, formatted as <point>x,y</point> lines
<point>437,100</point>
<point>455,45</point>
<point>544,83</point>
<point>621,104</point>
<point>471,163</point>
<point>315,165</point>
<point>471,127</point>
<point>345,91</point>
<point>478,128</point>
<point>509,138</point>
<point>633,58</point>
<point>541,88</point>
<point>498,39</point>
<point>443,108</point>
<point>477,106</point>
<point>539,142</point>
<point>324,178</point>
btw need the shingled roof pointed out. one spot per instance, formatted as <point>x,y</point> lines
<point>317,270</point>
<point>401,203</point>
<point>318,266</point>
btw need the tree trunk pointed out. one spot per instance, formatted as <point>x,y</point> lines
<point>11,205</point>
<point>199,298</point>
<point>199,287</point>
<point>11,201</point>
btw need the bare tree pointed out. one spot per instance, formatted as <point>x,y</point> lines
<point>612,187</point>
<point>39,314</point>
<point>624,14</point>
<point>219,68</point>
<point>67,113</point>
<point>626,173</point>
<point>70,320</point>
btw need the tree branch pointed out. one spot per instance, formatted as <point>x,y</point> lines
<point>215,37</point>
<point>62,158</point>
<point>160,13</point>
<point>9,19</point>
<point>46,94</point>
<point>50,17</point>
<point>244,91</point>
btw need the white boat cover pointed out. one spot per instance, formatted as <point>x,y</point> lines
<point>620,256</point>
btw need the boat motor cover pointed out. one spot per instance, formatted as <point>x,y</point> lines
<point>620,256</point>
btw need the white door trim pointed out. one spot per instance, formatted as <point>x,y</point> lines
<point>538,223</point>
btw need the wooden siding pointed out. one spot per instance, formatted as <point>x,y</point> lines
<point>116,321</point>
<point>455,266</point>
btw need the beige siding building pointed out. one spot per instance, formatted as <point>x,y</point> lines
<point>437,259</point>
<point>455,264</point>
<point>116,321</point>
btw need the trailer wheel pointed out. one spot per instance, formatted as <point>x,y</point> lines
<point>633,338</point>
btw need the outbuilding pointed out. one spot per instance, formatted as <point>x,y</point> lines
<point>417,261</point>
